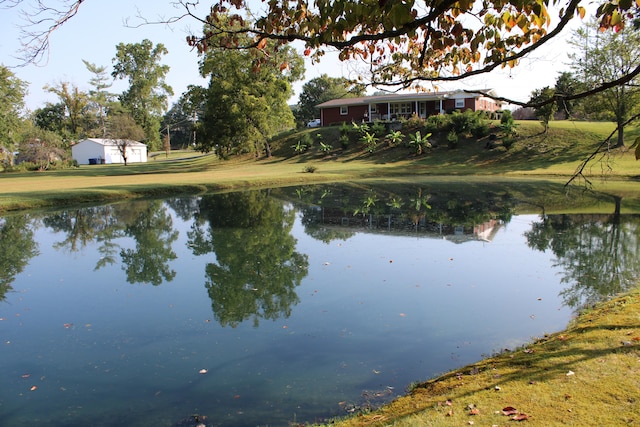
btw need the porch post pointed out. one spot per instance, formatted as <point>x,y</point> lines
<point>440,105</point>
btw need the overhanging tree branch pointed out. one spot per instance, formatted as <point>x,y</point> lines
<point>600,149</point>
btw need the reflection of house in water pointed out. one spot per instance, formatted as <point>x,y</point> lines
<point>407,225</point>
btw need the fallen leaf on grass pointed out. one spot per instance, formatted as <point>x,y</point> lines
<point>509,410</point>
<point>474,411</point>
<point>520,417</point>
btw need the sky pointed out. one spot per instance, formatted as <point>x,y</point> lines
<point>99,26</point>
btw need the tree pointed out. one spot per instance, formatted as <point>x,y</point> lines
<point>12,93</point>
<point>99,97</point>
<point>545,111</point>
<point>567,85</point>
<point>75,102</point>
<point>321,89</point>
<point>247,98</point>
<point>148,92</point>
<point>51,117</point>
<point>181,119</point>
<point>123,129</point>
<point>603,57</point>
<point>407,42</point>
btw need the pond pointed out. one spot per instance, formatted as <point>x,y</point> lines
<point>288,305</point>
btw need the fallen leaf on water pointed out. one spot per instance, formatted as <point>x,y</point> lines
<point>26,375</point>
<point>203,371</point>
<point>68,325</point>
<point>33,387</point>
<point>237,396</point>
<point>509,410</point>
<point>403,315</point>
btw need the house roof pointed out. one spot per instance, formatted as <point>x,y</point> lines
<point>111,142</point>
<point>402,97</point>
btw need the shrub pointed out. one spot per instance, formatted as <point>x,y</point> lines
<point>437,123</point>
<point>310,169</point>
<point>394,137</point>
<point>325,148</point>
<point>507,142</point>
<point>507,124</point>
<point>378,128</point>
<point>370,141</point>
<point>481,129</point>
<point>452,139</point>
<point>414,122</point>
<point>345,129</point>
<point>344,141</point>
<point>419,142</point>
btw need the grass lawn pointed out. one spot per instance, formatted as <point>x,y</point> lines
<point>555,155</point>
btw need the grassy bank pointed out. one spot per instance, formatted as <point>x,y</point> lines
<point>587,375</point>
<point>552,155</point>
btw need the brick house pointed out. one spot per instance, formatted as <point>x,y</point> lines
<point>395,106</point>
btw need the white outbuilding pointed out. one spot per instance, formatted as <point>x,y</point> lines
<point>93,151</point>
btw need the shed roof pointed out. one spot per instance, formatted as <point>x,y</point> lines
<point>112,142</point>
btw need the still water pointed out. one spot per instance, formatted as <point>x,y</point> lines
<point>287,305</point>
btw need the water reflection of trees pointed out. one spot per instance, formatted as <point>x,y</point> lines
<point>597,253</point>
<point>148,223</point>
<point>17,247</point>
<point>257,267</point>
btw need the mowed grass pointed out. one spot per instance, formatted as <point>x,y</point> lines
<point>556,154</point>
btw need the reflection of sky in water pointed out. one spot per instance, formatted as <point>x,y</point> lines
<point>376,312</point>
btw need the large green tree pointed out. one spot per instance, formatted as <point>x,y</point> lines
<point>247,97</point>
<point>147,96</point>
<point>600,57</point>
<point>321,89</point>
<point>99,96</point>
<point>75,103</point>
<point>12,93</point>
<point>181,119</point>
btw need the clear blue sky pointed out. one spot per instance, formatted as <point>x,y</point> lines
<point>99,26</point>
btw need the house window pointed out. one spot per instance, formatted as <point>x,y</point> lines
<point>401,108</point>
<point>344,110</point>
<point>460,103</point>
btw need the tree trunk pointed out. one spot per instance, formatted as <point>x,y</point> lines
<point>620,142</point>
